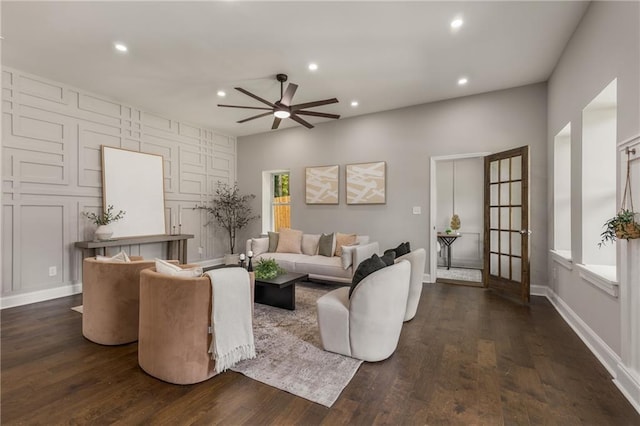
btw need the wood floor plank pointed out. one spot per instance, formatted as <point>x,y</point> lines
<point>468,357</point>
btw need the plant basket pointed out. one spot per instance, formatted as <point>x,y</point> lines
<point>628,231</point>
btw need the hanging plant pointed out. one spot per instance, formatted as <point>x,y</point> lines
<point>625,224</point>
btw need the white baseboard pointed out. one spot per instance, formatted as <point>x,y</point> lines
<point>538,290</point>
<point>426,278</point>
<point>628,385</point>
<point>39,296</point>
<point>625,381</point>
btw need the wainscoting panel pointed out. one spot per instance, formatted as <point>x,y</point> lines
<point>52,172</point>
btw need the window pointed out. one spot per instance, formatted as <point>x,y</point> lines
<point>276,201</point>
<point>280,202</point>
<point>562,192</point>
<point>599,178</point>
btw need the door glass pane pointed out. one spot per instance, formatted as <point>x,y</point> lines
<point>504,169</point>
<point>504,218</point>
<point>493,171</point>
<point>516,244</point>
<point>516,269</point>
<point>516,218</point>
<point>494,241</point>
<point>493,189</point>
<point>516,193</point>
<point>504,194</point>
<point>504,267</point>
<point>494,265</point>
<point>504,242</point>
<point>494,217</point>
<point>516,167</point>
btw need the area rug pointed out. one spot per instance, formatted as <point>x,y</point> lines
<point>289,354</point>
<point>77,308</point>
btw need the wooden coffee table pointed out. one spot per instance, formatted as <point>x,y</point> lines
<point>279,291</point>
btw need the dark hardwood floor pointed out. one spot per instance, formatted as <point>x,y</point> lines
<point>469,357</point>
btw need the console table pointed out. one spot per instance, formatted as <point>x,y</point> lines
<point>447,240</point>
<point>177,245</point>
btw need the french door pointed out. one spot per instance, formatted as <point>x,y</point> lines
<point>506,222</point>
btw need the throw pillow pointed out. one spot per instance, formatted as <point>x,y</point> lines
<point>289,241</point>
<point>326,245</point>
<point>401,250</point>
<point>365,268</point>
<point>273,241</point>
<point>347,255</point>
<point>344,240</point>
<point>167,268</point>
<point>389,257</point>
<point>118,258</point>
<point>259,246</point>
<point>362,239</point>
<point>310,244</point>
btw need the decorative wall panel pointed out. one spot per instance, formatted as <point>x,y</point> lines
<point>52,172</point>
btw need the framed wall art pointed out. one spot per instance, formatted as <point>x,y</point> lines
<point>366,183</point>
<point>321,185</point>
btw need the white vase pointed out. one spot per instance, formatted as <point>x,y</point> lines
<point>231,259</point>
<point>104,232</point>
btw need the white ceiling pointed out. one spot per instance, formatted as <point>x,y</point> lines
<point>386,55</point>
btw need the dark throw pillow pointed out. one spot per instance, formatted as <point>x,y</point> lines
<point>401,250</point>
<point>325,245</point>
<point>273,241</point>
<point>389,257</point>
<point>365,268</point>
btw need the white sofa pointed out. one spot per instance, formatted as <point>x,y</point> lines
<point>417,259</point>
<point>320,267</point>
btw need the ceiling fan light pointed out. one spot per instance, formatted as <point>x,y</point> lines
<point>282,114</point>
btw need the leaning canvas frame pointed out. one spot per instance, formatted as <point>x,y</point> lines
<point>134,182</point>
<point>322,185</point>
<point>366,183</point>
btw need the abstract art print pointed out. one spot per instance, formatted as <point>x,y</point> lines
<point>321,184</point>
<point>366,183</point>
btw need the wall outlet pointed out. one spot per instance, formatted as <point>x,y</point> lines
<point>417,210</point>
<point>199,250</point>
<point>53,271</point>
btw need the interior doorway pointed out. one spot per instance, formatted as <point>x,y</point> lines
<point>457,223</point>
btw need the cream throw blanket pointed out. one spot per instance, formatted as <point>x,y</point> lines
<point>231,319</point>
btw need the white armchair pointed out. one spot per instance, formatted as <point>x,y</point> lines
<point>368,325</point>
<point>417,258</point>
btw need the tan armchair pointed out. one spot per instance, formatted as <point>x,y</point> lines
<point>175,316</point>
<point>110,294</point>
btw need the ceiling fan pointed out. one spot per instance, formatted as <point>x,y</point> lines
<point>283,108</point>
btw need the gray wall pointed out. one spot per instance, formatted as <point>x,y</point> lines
<point>605,46</point>
<point>51,172</point>
<point>406,139</point>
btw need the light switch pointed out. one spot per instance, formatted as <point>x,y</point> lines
<point>417,210</point>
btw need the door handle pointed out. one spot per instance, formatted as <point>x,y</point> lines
<point>525,231</point>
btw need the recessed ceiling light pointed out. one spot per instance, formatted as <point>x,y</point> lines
<point>457,23</point>
<point>313,66</point>
<point>120,47</point>
<point>222,93</point>
<point>282,114</point>
<point>354,103</point>
<point>462,81</point>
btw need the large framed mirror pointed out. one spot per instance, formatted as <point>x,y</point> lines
<point>134,182</point>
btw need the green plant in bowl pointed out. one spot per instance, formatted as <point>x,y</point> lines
<point>267,269</point>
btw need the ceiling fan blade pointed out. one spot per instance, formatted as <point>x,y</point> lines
<point>298,107</point>
<point>240,89</point>
<point>318,114</point>
<point>254,117</point>
<point>276,123</point>
<point>301,121</point>
<point>288,94</point>
<point>247,107</point>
